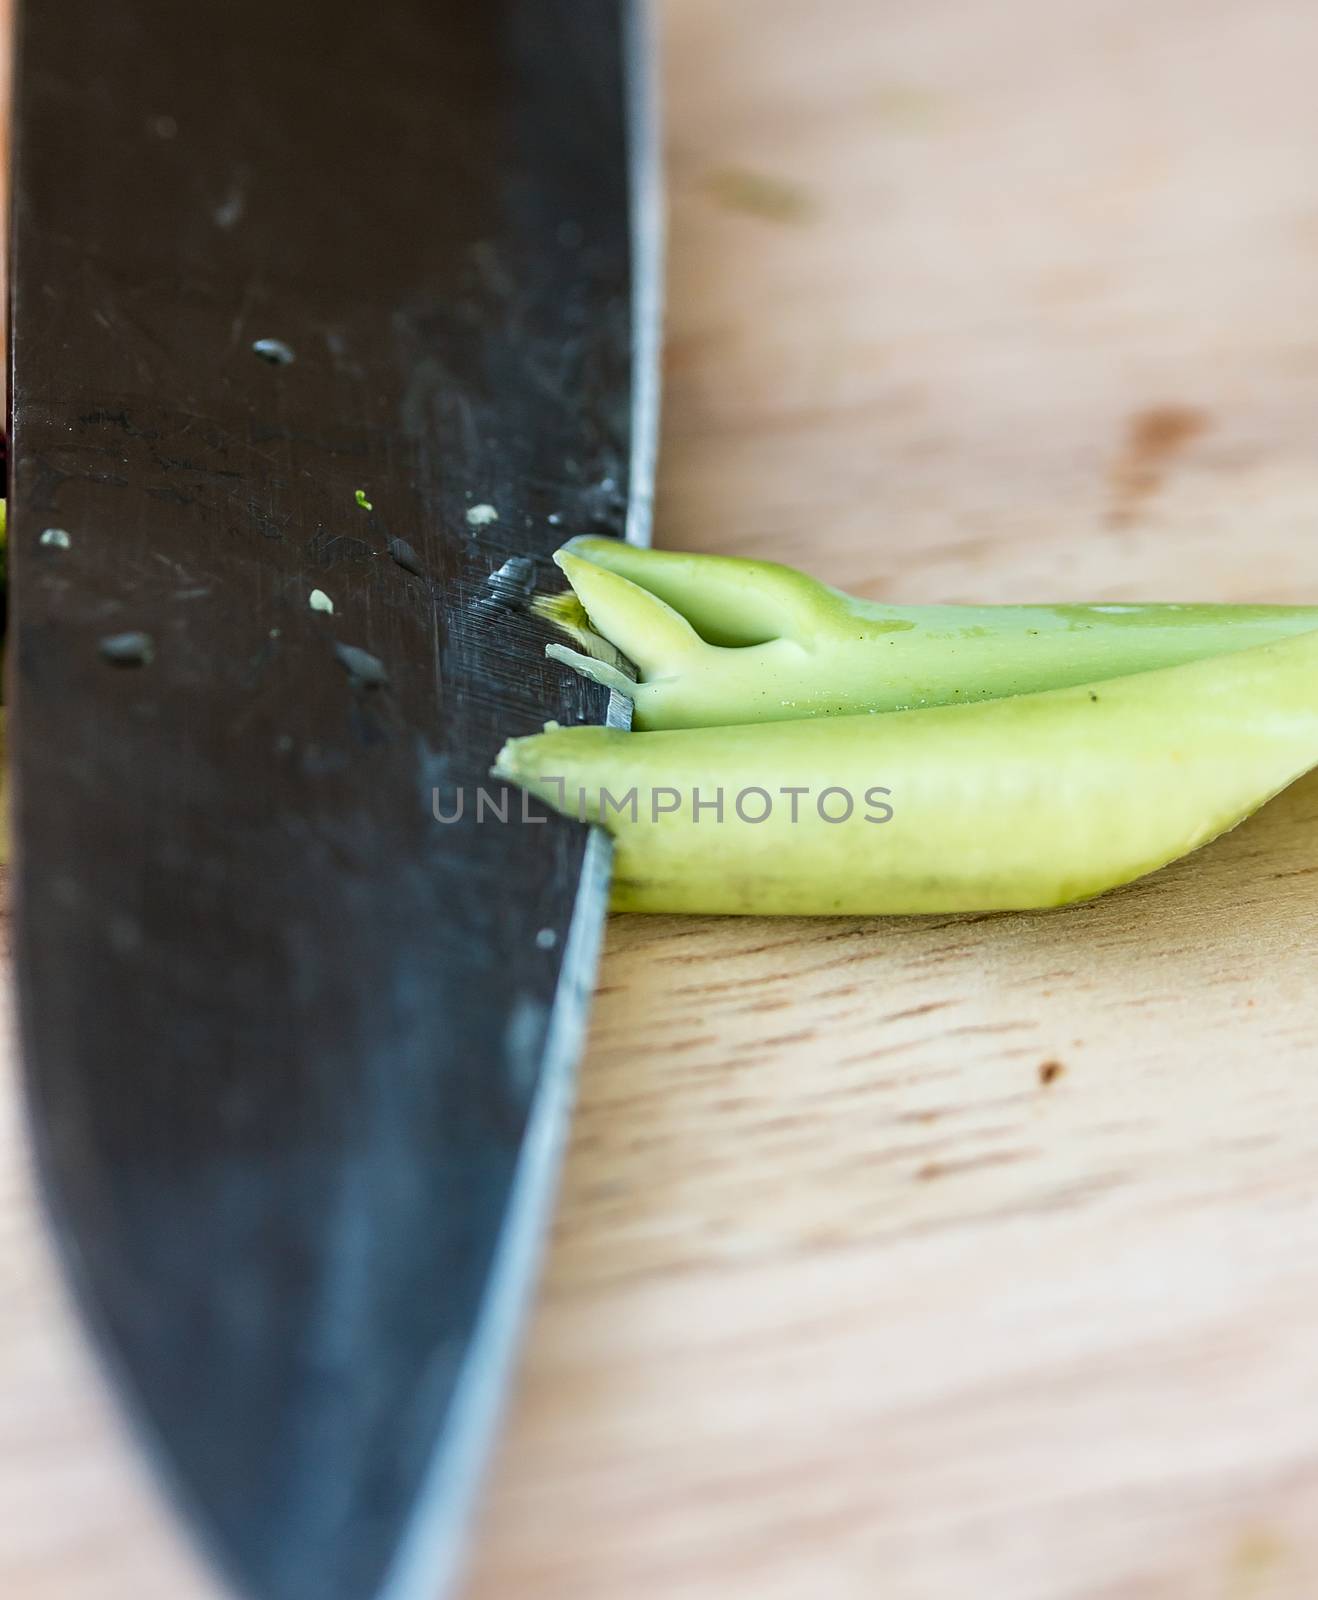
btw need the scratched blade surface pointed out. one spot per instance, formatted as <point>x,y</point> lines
<point>329,323</point>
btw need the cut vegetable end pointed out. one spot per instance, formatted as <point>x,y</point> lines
<point>597,671</point>
<point>643,627</point>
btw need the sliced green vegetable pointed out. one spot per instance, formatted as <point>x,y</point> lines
<point>1012,804</point>
<point>718,640</point>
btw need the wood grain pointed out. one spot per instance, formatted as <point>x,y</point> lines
<point>965,1256</point>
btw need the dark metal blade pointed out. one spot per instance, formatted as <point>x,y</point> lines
<point>298,1052</point>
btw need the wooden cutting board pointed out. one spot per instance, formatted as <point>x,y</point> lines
<point>920,1259</point>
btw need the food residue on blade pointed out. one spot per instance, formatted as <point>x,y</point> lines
<point>274,351</point>
<point>318,600</point>
<point>513,583</point>
<point>128,649</point>
<point>361,666</point>
<point>481,516</point>
<point>362,501</point>
<point>406,557</point>
<point>56,539</point>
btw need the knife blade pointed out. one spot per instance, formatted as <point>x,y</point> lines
<point>327,326</point>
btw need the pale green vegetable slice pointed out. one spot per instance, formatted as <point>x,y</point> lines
<point>720,640</point>
<point>1012,804</point>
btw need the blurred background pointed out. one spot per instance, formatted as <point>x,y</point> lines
<point>968,1258</point>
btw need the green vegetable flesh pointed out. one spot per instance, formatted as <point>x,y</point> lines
<point>1018,803</point>
<point>717,640</point>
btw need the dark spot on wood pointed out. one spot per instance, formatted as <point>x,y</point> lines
<point>949,1169</point>
<point>1153,439</point>
<point>757,194</point>
<point>1050,1071</point>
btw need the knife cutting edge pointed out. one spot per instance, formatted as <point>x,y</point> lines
<point>325,330</point>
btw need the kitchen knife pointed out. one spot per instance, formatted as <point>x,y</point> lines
<point>328,324</point>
